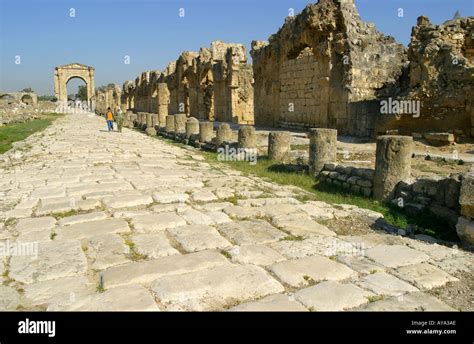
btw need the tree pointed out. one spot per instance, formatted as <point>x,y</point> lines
<point>81,93</point>
<point>27,90</point>
<point>47,98</point>
<point>457,15</point>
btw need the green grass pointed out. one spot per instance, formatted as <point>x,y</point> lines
<point>64,214</point>
<point>300,147</point>
<point>425,223</point>
<point>133,254</point>
<point>17,132</point>
<point>375,298</point>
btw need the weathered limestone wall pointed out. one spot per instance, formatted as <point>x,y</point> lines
<point>212,84</point>
<point>358,181</point>
<point>438,194</point>
<point>322,69</point>
<point>440,76</point>
<point>108,96</point>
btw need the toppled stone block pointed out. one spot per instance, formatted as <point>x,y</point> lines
<point>465,230</point>
<point>466,198</point>
<point>150,131</point>
<point>439,138</point>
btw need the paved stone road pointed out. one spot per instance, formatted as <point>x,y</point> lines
<point>106,221</point>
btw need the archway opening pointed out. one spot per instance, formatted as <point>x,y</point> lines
<point>76,91</point>
<point>7,99</point>
<point>26,99</point>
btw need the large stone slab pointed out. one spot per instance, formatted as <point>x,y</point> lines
<point>54,260</point>
<point>457,264</point>
<point>92,228</point>
<point>128,201</point>
<point>360,264</point>
<point>317,212</point>
<point>165,197</point>
<point>424,276</point>
<point>300,225</point>
<point>203,196</point>
<point>60,292</point>
<point>273,210</point>
<point>242,213</point>
<point>315,245</point>
<point>124,298</point>
<point>146,271</point>
<point>218,217</point>
<point>382,283</point>
<point>393,256</point>
<point>416,301</point>
<point>9,298</point>
<point>35,224</point>
<point>255,254</point>
<point>193,238</point>
<point>301,272</point>
<point>332,296</point>
<point>72,220</point>
<point>106,250</point>
<point>216,287</point>
<point>157,222</point>
<point>271,303</point>
<point>251,232</point>
<point>195,217</point>
<point>153,245</point>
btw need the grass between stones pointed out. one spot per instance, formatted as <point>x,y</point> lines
<point>424,223</point>
<point>17,132</point>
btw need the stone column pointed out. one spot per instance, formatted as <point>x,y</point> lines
<point>206,131</point>
<point>322,148</point>
<point>465,225</point>
<point>169,124</point>
<point>392,164</point>
<point>192,127</point>
<point>247,137</point>
<point>279,145</point>
<point>180,123</point>
<point>142,119</point>
<point>127,123</point>
<point>223,134</point>
<point>149,121</point>
<point>154,120</point>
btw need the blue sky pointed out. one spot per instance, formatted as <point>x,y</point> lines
<point>152,33</point>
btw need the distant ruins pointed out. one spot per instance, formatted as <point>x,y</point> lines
<point>214,84</point>
<point>324,68</point>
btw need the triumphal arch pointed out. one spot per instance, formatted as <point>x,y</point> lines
<point>62,74</point>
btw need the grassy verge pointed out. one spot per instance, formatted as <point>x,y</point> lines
<point>17,132</point>
<point>424,223</point>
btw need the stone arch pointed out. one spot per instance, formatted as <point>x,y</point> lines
<point>75,77</point>
<point>7,98</point>
<point>63,74</point>
<point>27,99</point>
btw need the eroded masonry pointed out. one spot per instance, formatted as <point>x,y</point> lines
<point>324,68</point>
<point>212,84</point>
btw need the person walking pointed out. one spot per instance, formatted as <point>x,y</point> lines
<point>119,119</point>
<point>109,116</point>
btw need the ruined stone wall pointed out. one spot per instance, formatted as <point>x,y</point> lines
<point>440,76</point>
<point>321,68</point>
<point>108,96</point>
<point>214,84</point>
